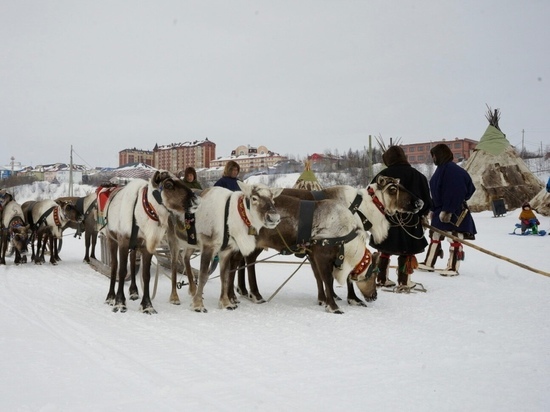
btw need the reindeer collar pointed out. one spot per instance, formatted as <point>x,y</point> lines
<point>148,207</point>
<point>376,201</point>
<point>242,213</point>
<point>56,217</point>
<point>362,265</point>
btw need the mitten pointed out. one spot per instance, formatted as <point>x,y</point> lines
<point>445,217</point>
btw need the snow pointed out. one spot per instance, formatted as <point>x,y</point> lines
<point>476,342</point>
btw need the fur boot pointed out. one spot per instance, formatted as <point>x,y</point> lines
<point>434,251</point>
<point>456,255</point>
<point>382,271</point>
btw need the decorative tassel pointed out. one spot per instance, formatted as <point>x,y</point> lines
<point>410,264</point>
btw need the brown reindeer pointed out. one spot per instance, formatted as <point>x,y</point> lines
<point>136,220</point>
<point>369,206</point>
<point>327,233</point>
<point>14,229</point>
<point>47,219</point>
<point>87,206</point>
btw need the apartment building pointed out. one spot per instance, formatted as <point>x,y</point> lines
<point>250,158</point>
<point>135,156</point>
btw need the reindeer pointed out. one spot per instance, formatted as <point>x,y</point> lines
<point>14,229</point>
<point>47,218</point>
<point>137,216</point>
<point>369,206</point>
<point>87,206</point>
<point>226,222</point>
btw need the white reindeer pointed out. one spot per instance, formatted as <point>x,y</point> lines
<point>137,217</point>
<point>225,223</point>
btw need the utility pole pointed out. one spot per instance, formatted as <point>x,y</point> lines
<point>522,141</point>
<point>71,174</point>
<point>371,158</point>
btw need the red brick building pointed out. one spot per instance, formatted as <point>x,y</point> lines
<point>177,156</point>
<point>420,152</point>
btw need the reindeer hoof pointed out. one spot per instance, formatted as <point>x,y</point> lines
<point>353,302</point>
<point>120,308</point>
<point>149,310</point>
<point>338,311</point>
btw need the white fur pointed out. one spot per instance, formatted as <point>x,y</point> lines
<point>11,210</point>
<point>210,226</point>
<point>42,206</point>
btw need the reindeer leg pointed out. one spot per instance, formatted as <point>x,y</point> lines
<point>189,272</point>
<point>197,304</point>
<point>323,263</point>
<point>146,304</point>
<point>113,252</point>
<point>227,264</point>
<point>254,294</point>
<point>133,290</point>
<point>120,299</point>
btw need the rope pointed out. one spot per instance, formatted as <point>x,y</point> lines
<point>286,281</point>
<point>488,252</point>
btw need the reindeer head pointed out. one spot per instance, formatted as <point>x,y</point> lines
<point>170,191</point>
<point>70,211</point>
<point>395,197</point>
<point>260,205</point>
<point>20,236</point>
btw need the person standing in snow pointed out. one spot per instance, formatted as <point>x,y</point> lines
<point>229,178</point>
<point>406,234</point>
<point>451,186</point>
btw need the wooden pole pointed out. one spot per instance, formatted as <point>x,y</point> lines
<point>488,252</point>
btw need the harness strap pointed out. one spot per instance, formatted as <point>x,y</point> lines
<point>337,241</point>
<point>135,228</point>
<point>354,208</point>
<point>226,226</point>
<point>43,218</point>
<point>318,195</point>
<point>305,220</point>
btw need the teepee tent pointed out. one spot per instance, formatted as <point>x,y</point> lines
<point>498,172</point>
<point>307,180</point>
<point>541,202</point>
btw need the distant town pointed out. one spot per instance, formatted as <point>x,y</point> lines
<point>201,154</point>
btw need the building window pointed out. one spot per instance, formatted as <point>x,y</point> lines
<point>457,145</point>
<point>412,158</point>
<point>411,149</point>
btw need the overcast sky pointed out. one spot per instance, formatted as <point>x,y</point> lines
<point>296,76</point>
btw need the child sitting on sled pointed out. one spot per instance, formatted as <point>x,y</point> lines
<point>528,219</point>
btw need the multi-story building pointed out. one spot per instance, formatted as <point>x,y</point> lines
<point>177,156</point>
<point>250,158</point>
<point>420,152</point>
<point>134,155</point>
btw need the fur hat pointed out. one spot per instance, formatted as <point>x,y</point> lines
<point>525,204</point>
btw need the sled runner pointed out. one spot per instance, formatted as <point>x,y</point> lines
<point>533,230</point>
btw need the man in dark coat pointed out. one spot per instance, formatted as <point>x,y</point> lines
<point>451,187</point>
<point>406,234</point>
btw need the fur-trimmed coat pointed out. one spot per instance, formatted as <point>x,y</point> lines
<point>407,238</point>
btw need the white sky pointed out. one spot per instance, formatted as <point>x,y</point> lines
<point>296,76</point>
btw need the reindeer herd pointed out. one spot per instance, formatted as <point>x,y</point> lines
<point>330,227</point>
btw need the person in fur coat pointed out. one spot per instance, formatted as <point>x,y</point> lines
<point>451,186</point>
<point>406,235</point>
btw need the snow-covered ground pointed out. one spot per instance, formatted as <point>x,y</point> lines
<point>476,342</point>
